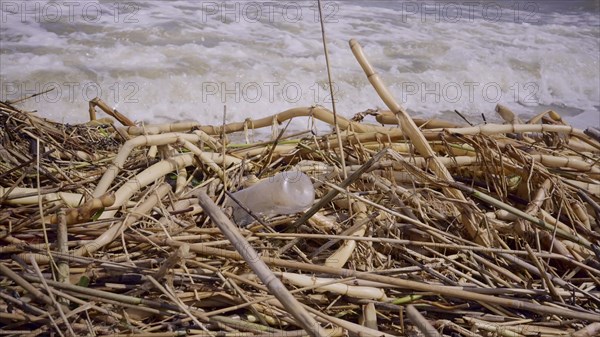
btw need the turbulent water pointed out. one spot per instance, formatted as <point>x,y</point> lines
<point>159,61</point>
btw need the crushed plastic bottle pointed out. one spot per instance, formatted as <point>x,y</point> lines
<point>284,193</point>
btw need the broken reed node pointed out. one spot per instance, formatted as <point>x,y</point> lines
<point>431,227</point>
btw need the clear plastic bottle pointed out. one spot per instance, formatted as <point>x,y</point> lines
<point>284,193</point>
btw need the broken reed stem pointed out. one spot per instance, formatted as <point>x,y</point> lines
<point>333,192</point>
<point>61,308</point>
<point>62,245</point>
<point>420,143</point>
<point>24,284</point>
<point>422,324</point>
<point>454,292</point>
<point>248,253</point>
<point>97,102</point>
<point>113,232</point>
<point>538,222</point>
<point>544,275</point>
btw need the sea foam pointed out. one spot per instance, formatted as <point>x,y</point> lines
<point>161,61</point>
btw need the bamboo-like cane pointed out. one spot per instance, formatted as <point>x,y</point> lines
<point>230,231</point>
<point>97,102</point>
<point>317,112</point>
<point>340,289</point>
<point>14,198</point>
<point>577,249</point>
<point>589,331</point>
<point>164,139</point>
<point>424,326</point>
<point>339,258</point>
<point>62,241</point>
<point>113,232</point>
<point>85,211</point>
<point>396,134</point>
<point>369,316</point>
<point>388,117</point>
<point>420,143</point>
<point>203,157</point>
<point>155,129</point>
<point>320,113</point>
<point>507,114</point>
<point>450,291</point>
<point>593,133</point>
<point>146,177</point>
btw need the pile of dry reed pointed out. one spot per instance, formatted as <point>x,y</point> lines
<point>419,228</point>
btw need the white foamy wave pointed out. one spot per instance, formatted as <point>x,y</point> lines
<point>161,61</point>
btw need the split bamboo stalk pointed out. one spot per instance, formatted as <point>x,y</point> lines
<point>62,241</point>
<point>507,114</point>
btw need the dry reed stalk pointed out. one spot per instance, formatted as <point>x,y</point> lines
<point>15,196</point>
<point>316,112</point>
<point>62,243</point>
<point>146,177</point>
<point>262,271</point>
<point>352,291</point>
<point>389,117</point>
<point>340,257</point>
<point>418,140</point>
<point>424,326</point>
<point>156,140</point>
<point>417,286</point>
<point>97,102</point>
